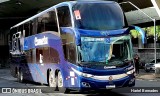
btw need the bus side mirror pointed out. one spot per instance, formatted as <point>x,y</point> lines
<point>140,30</point>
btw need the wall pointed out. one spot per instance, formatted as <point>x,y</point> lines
<point>4,48</point>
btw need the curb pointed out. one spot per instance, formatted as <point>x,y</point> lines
<point>147,79</point>
<point>155,79</point>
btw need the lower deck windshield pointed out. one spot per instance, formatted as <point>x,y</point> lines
<point>108,51</point>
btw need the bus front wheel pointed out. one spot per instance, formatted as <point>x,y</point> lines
<point>60,84</point>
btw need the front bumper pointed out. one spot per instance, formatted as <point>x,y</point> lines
<point>89,83</point>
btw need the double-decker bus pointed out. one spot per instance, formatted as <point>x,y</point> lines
<point>75,45</point>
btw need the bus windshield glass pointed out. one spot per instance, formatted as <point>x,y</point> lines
<point>108,51</point>
<point>105,16</point>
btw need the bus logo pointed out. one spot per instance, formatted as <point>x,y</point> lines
<point>41,41</point>
<point>110,78</point>
<point>109,67</point>
<point>106,33</point>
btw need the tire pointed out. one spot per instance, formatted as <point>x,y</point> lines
<point>60,84</point>
<point>52,81</point>
<point>147,70</point>
<point>20,76</point>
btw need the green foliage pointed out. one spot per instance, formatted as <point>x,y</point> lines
<point>149,31</point>
<point>134,33</point>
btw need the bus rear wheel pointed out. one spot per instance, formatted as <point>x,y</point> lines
<point>60,84</point>
<point>20,76</point>
<point>52,81</point>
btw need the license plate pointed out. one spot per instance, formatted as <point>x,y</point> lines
<point>110,86</point>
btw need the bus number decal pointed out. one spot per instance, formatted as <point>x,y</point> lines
<point>72,75</point>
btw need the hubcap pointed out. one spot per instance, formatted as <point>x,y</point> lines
<point>60,80</point>
<point>52,81</point>
<point>21,76</point>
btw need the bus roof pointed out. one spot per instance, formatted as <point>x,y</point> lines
<point>55,6</point>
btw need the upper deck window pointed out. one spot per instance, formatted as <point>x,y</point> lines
<point>47,22</point>
<point>64,16</point>
<point>98,16</point>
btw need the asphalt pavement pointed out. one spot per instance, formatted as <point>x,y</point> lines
<point>143,80</point>
<point>5,73</point>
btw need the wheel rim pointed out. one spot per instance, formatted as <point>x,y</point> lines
<point>52,81</point>
<point>21,76</point>
<point>60,80</point>
<point>18,77</point>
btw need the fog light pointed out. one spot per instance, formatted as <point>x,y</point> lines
<point>131,81</point>
<point>84,84</point>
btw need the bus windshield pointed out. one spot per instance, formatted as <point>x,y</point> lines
<point>109,51</point>
<point>105,16</point>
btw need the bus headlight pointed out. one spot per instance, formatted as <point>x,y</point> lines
<point>82,74</point>
<point>131,71</point>
<point>87,75</point>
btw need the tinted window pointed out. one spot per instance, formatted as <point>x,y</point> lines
<point>34,26</point>
<point>47,55</point>
<point>105,16</point>
<point>54,56</point>
<point>27,29</point>
<point>12,39</point>
<point>47,22</point>
<point>158,60</point>
<point>20,29</point>
<point>70,52</point>
<point>153,61</point>
<point>29,56</point>
<point>69,47</point>
<point>64,16</point>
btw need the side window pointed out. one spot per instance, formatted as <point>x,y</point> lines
<point>158,60</point>
<point>39,55</point>
<point>51,25</point>
<point>47,22</point>
<point>54,56</point>
<point>29,56</point>
<point>34,26</point>
<point>16,38</point>
<point>26,31</point>
<point>64,16</point>
<point>69,47</point>
<point>47,55</point>
<point>67,38</point>
<point>30,28</point>
<point>41,26</point>
<point>70,52</point>
<point>20,29</point>
<point>11,39</point>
